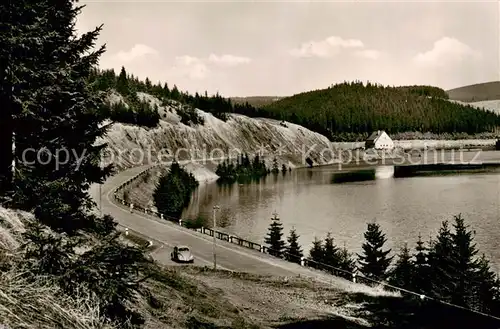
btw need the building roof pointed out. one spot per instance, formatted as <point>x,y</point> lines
<point>374,136</point>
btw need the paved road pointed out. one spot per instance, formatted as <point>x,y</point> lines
<point>229,256</point>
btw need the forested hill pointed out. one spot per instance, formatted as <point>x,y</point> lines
<point>342,112</point>
<point>358,109</point>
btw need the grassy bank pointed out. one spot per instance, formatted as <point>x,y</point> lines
<point>169,297</point>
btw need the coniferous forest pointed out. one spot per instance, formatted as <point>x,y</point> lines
<point>343,112</point>
<point>448,268</point>
<point>358,109</point>
<point>173,191</point>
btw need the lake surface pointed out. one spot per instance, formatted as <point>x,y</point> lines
<point>404,207</point>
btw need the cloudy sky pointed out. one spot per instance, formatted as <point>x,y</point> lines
<point>273,48</point>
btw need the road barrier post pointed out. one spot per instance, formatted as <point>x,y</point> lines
<point>180,222</point>
<point>161,216</point>
<point>354,277</point>
<point>302,261</point>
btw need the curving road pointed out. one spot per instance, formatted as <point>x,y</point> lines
<point>229,256</point>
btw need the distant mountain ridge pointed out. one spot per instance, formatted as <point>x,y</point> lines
<point>476,93</point>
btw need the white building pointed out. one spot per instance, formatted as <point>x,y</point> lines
<point>379,140</point>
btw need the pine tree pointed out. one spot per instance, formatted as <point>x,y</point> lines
<point>316,253</point>
<point>465,263</point>
<point>421,273</point>
<point>122,85</point>
<point>175,94</point>
<point>330,252</point>
<point>486,289</point>
<point>442,264</point>
<point>346,262</point>
<point>404,270</point>
<point>60,115</point>
<point>374,261</point>
<point>147,82</point>
<point>457,275</point>
<point>166,90</point>
<point>274,238</point>
<point>293,250</point>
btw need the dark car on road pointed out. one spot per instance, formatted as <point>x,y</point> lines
<point>182,254</point>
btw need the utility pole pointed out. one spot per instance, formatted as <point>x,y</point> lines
<point>100,200</point>
<point>100,184</point>
<point>216,207</point>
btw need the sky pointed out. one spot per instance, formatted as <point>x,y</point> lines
<point>283,48</point>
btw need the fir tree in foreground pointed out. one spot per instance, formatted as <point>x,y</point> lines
<point>316,253</point>
<point>374,261</point>
<point>441,261</point>
<point>59,115</point>
<point>486,289</point>
<point>52,107</point>
<point>274,238</point>
<point>293,250</point>
<point>330,252</point>
<point>404,272</point>
<point>421,267</point>
<point>457,275</point>
<point>346,263</point>
<point>465,262</point>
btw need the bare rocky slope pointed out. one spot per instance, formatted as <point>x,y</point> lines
<point>130,145</point>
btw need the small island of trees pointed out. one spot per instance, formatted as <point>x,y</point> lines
<point>244,169</point>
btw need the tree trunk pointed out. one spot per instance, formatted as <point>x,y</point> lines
<point>6,155</point>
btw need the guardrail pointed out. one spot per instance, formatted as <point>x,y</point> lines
<point>303,261</point>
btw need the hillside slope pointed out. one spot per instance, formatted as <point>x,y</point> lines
<point>176,296</point>
<point>491,105</point>
<point>476,92</point>
<point>215,138</point>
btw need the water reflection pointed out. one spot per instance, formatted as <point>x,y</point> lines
<point>307,200</point>
<point>384,172</point>
<point>353,176</point>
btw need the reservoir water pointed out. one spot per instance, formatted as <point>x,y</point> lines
<point>309,201</point>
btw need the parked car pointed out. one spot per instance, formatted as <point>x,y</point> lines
<point>182,254</point>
